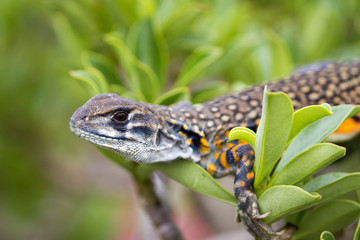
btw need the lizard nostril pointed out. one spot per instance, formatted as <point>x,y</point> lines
<point>72,123</point>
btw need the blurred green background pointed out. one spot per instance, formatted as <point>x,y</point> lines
<point>54,185</point>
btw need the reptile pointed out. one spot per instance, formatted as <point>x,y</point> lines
<point>148,133</point>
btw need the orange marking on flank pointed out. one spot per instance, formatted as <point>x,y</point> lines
<point>204,147</point>
<point>217,154</point>
<point>233,150</point>
<point>247,163</point>
<point>258,121</point>
<point>227,133</point>
<point>211,168</point>
<point>348,126</point>
<point>218,144</point>
<point>230,144</point>
<point>250,175</point>
<point>223,161</point>
<point>204,142</point>
<point>242,142</point>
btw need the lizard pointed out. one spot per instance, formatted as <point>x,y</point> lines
<point>148,133</point>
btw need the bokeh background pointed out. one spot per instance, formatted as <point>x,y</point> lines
<point>56,186</point>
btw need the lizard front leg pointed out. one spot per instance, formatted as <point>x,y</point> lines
<point>239,159</point>
<point>247,209</point>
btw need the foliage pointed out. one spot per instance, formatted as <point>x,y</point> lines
<point>171,46</point>
<point>287,189</point>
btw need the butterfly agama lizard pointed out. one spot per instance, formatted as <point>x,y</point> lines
<point>147,133</point>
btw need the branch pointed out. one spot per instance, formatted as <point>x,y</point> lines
<point>157,210</point>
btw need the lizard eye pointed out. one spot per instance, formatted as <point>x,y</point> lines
<point>120,116</point>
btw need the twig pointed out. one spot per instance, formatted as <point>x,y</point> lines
<point>158,211</point>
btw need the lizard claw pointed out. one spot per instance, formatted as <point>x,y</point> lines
<point>248,213</point>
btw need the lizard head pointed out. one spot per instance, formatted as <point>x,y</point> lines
<point>131,129</point>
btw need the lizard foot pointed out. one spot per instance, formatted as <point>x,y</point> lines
<point>248,213</point>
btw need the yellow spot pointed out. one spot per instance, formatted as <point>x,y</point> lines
<point>227,133</point>
<point>240,184</point>
<point>218,144</point>
<point>247,163</point>
<point>229,144</point>
<point>185,127</point>
<point>217,154</point>
<point>250,175</point>
<point>223,161</point>
<point>243,125</point>
<point>251,153</point>
<point>233,150</point>
<point>204,142</point>
<point>189,141</point>
<point>211,168</point>
<point>173,121</point>
<point>204,147</point>
<point>348,126</point>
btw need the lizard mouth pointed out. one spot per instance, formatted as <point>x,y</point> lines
<point>97,139</point>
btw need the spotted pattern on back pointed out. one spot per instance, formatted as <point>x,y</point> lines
<point>332,82</point>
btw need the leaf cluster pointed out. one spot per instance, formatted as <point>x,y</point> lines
<point>289,150</point>
<point>155,50</point>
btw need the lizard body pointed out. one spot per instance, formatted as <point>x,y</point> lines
<point>149,133</point>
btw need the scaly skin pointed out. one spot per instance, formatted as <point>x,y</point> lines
<point>148,133</point>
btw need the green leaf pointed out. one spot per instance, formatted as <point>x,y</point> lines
<point>357,231</point>
<point>318,17</point>
<point>280,54</point>
<point>143,81</point>
<point>170,14</point>
<point>94,78</point>
<point>305,116</point>
<point>149,47</point>
<point>326,236</point>
<point>272,133</point>
<point>103,64</point>
<point>67,36</point>
<point>211,92</point>
<point>196,63</point>
<point>332,185</point>
<point>242,133</point>
<point>194,177</point>
<point>307,163</point>
<point>331,216</point>
<point>282,200</point>
<point>316,132</point>
<point>123,162</point>
<point>190,174</point>
<point>173,96</point>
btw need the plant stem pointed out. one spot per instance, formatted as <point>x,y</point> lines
<point>157,210</point>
